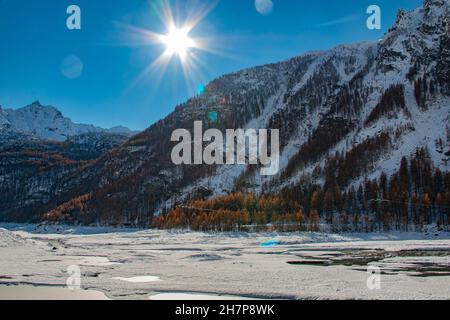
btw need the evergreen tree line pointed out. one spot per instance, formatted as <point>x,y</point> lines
<point>414,196</point>
<point>391,101</point>
<point>424,88</point>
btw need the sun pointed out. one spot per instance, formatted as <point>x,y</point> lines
<point>177,41</point>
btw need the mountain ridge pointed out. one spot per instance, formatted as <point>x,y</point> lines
<point>385,99</point>
<point>48,123</point>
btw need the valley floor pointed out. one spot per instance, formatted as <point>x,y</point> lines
<point>169,265</point>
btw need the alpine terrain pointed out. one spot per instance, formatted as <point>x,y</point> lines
<point>364,133</point>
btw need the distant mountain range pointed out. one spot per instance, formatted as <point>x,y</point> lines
<point>39,122</point>
<point>345,116</point>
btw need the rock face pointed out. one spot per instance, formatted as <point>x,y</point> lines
<point>393,96</point>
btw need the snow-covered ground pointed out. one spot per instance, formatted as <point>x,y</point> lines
<point>160,264</point>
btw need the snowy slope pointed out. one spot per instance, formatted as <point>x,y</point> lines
<point>315,82</point>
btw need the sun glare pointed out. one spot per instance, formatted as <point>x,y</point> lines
<point>177,41</point>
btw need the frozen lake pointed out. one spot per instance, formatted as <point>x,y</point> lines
<point>23,292</point>
<point>186,265</point>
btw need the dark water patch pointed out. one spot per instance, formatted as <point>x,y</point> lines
<point>228,249</point>
<point>178,249</point>
<point>205,257</point>
<point>423,253</point>
<point>416,270</point>
<point>363,258</point>
<point>310,263</point>
<point>431,274</point>
<point>89,274</point>
<point>275,252</point>
<point>428,269</point>
<point>32,284</point>
<point>351,258</point>
<point>341,250</point>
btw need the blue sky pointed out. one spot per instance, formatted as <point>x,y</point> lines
<point>35,41</point>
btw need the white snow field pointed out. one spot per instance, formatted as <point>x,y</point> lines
<point>188,265</point>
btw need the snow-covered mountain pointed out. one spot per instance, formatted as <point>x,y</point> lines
<point>345,115</point>
<point>47,123</point>
<point>334,101</point>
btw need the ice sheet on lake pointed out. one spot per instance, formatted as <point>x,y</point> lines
<point>187,262</point>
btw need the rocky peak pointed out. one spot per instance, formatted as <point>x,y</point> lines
<point>429,4</point>
<point>400,14</point>
<point>36,106</point>
<point>48,123</point>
